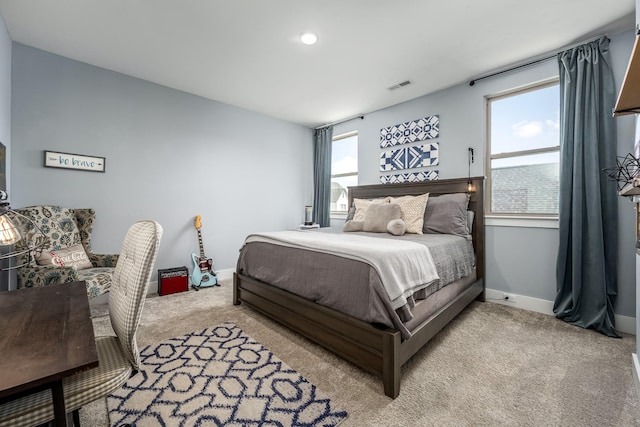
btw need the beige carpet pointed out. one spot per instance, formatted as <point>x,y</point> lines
<point>494,365</point>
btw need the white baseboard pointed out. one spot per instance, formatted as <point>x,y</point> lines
<point>153,286</point>
<point>226,273</point>
<point>624,324</point>
<point>636,374</point>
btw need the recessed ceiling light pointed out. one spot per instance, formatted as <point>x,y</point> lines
<point>308,38</point>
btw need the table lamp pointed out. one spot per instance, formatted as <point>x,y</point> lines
<point>308,215</point>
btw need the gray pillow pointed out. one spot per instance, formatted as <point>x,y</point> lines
<point>447,214</point>
<point>353,226</point>
<point>397,227</point>
<point>378,215</point>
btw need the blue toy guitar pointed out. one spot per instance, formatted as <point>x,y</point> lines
<point>203,275</point>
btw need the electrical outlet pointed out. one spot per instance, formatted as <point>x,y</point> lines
<point>508,297</point>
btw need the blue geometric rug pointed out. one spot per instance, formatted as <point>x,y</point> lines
<point>218,377</point>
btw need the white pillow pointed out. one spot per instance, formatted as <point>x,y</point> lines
<point>378,215</point>
<point>412,211</point>
<point>73,256</point>
<point>362,205</point>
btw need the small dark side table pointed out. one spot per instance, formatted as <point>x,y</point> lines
<point>46,334</point>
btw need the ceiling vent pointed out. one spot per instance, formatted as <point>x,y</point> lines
<point>399,85</point>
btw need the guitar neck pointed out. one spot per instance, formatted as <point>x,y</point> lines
<point>200,243</point>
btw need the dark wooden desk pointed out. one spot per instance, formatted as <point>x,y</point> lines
<point>46,334</point>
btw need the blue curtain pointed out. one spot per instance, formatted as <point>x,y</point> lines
<point>586,268</point>
<point>322,176</point>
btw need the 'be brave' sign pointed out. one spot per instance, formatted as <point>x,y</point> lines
<point>54,159</point>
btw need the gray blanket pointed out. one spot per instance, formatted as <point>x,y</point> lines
<point>404,267</point>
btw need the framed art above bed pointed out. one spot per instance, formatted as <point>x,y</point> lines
<point>343,300</point>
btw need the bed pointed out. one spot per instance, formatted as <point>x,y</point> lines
<point>378,345</point>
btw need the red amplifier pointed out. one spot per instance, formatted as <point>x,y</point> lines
<point>172,280</point>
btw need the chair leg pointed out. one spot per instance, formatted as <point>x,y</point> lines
<point>76,418</point>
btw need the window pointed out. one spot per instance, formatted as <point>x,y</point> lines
<point>524,152</point>
<point>344,170</point>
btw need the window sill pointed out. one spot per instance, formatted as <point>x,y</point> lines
<point>521,221</point>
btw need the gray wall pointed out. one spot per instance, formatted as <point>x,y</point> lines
<point>169,156</point>
<point>519,260</point>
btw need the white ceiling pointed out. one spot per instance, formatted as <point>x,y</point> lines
<point>247,53</point>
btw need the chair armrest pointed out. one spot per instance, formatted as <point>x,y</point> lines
<point>103,260</point>
<point>44,275</point>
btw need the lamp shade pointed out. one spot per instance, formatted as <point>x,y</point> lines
<point>9,234</point>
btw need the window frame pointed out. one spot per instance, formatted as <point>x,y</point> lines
<point>489,157</point>
<point>342,214</point>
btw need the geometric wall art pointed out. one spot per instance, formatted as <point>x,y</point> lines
<point>407,132</point>
<point>409,177</point>
<point>409,157</point>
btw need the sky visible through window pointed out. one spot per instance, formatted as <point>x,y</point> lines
<point>524,140</point>
<point>526,121</point>
<point>344,159</point>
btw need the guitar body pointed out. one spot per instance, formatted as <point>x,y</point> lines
<point>203,275</point>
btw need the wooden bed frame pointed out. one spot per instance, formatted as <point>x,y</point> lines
<point>375,349</point>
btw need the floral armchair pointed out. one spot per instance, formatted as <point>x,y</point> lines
<point>66,256</point>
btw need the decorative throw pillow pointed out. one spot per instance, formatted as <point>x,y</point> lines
<point>73,256</point>
<point>397,227</point>
<point>413,208</point>
<point>447,214</point>
<point>378,215</point>
<point>362,205</point>
<point>353,226</point>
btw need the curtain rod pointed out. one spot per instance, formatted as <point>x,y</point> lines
<point>361,117</point>
<point>546,58</point>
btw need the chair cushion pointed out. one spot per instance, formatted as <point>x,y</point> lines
<point>114,370</point>
<point>98,279</point>
<point>29,277</point>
